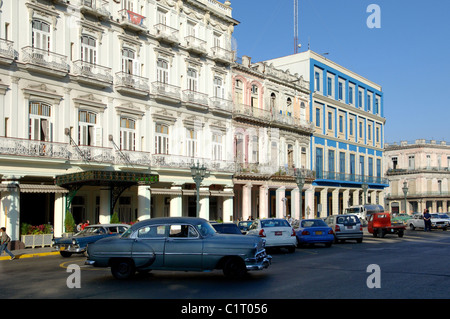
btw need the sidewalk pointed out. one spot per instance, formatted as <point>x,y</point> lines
<point>30,253</point>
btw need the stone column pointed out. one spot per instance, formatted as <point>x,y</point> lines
<point>295,204</point>
<point>345,198</point>
<point>176,202</point>
<point>279,202</point>
<point>309,202</point>
<point>356,197</point>
<point>335,202</point>
<point>144,195</point>
<point>105,207</point>
<point>263,201</point>
<point>59,213</point>
<point>204,203</point>
<point>381,199</point>
<point>246,201</point>
<point>324,202</point>
<point>227,210</point>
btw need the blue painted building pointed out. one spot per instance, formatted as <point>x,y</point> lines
<point>346,149</point>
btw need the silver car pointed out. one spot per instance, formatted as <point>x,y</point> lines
<point>178,243</point>
<point>346,226</point>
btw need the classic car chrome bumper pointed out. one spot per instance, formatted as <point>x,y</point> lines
<point>89,262</point>
<point>259,262</point>
<point>68,248</point>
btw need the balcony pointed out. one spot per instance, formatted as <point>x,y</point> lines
<point>133,158</point>
<point>272,171</point>
<point>222,55</point>
<point>131,84</point>
<point>96,8</point>
<point>166,93</point>
<point>221,106</point>
<point>7,53</point>
<point>291,122</point>
<point>45,62</point>
<point>246,112</point>
<point>131,21</point>
<point>168,161</point>
<point>195,45</point>
<point>166,34</point>
<point>195,100</point>
<point>92,74</point>
<point>351,178</point>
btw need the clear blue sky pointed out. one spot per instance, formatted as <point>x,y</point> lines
<point>409,56</point>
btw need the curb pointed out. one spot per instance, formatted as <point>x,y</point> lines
<point>32,255</point>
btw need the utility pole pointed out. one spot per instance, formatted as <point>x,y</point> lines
<point>296,44</point>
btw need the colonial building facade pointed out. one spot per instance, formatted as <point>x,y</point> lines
<point>346,148</point>
<point>271,140</point>
<point>424,165</point>
<point>106,104</point>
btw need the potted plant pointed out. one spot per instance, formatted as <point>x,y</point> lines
<point>69,224</point>
<point>33,236</point>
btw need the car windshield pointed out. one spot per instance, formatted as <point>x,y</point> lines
<point>434,215</point>
<point>274,223</point>
<point>245,224</point>
<point>444,216</point>
<point>351,219</point>
<point>313,223</point>
<point>205,229</point>
<point>353,210</point>
<point>91,231</point>
<point>227,228</point>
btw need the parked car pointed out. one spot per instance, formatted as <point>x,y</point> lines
<point>380,224</point>
<point>227,228</point>
<point>445,216</point>
<point>78,242</point>
<point>345,226</point>
<point>436,222</point>
<point>363,211</point>
<point>178,243</point>
<point>277,232</point>
<point>244,225</point>
<point>312,231</point>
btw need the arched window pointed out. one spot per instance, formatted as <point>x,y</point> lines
<point>40,35</point>
<point>238,91</point>
<point>130,65</point>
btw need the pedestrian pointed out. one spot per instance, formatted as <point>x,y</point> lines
<point>84,225</point>
<point>427,220</point>
<point>4,240</point>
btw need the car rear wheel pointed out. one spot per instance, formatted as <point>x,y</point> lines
<point>123,268</point>
<point>234,268</point>
<point>65,254</point>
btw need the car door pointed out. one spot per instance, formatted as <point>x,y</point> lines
<point>183,248</point>
<point>148,246</point>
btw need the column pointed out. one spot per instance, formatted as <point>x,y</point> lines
<point>144,196</point>
<point>105,207</point>
<point>434,207</point>
<point>324,202</point>
<point>356,197</point>
<point>227,209</point>
<point>444,206</point>
<point>309,202</point>
<point>59,214</point>
<point>381,198</point>
<point>345,198</point>
<point>246,201</point>
<point>176,202</point>
<point>10,209</point>
<point>295,204</point>
<point>279,202</point>
<point>373,197</point>
<point>263,201</point>
<point>335,202</point>
<point>204,203</point>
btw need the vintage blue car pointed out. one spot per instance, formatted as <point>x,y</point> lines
<point>178,243</point>
<point>312,231</point>
<point>78,242</point>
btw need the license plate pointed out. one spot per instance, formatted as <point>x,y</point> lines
<point>62,248</point>
<point>349,227</point>
<point>318,233</point>
<point>278,233</point>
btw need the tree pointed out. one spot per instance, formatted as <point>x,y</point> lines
<point>69,223</point>
<point>115,218</point>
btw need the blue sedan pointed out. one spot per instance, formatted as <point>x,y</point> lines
<point>312,231</point>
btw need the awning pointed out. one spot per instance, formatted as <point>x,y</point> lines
<point>39,188</point>
<point>106,178</point>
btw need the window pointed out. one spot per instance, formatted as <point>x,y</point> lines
<point>128,5</point>
<point>88,49</point>
<point>369,102</point>
<point>129,63</point>
<point>377,135</point>
<point>361,165</point>
<point>394,162</point>
<point>342,165</point>
<point>191,142</point>
<point>341,124</point>
<point>127,134</point>
<point>411,162</point>
<point>40,126</point>
<point>361,132</point>
<point>191,29</point>
<point>351,94</point>
<point>330,82</point>
<point>88,132</point>
<point>369,132</point>
<point>192,80</point>
<point>255,149</point>
<point>341,90</point>
<point>162,71</point>
<point>377,105</point>
<point>351,125</point>
<point>330,120</point>
<point>378,168</point>
<point>331,162</point>
<point>40,37</point>
<point>317,117</point>
<point>352,167</point>
<point>317,80</point>
<point>370,173</point>
<point>238,91</point>
<point>219,90</point>
<point>161,139</point>
<point>319,162</point>
<point>360,98</point>
<point>254,99</point>
<point>428,161</point>
<point>216,146</point>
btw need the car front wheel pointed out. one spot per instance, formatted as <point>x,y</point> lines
<point>234,268</point>
<point>65,254</point>
<point>123,268</point>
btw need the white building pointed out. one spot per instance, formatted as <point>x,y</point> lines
<point>125,87</point>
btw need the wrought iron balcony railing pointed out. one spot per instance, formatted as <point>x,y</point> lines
<point>131,81</point>
<point>92,71</point>
<point>131,20</point>
<point>336,176</point>
<point>185,162</point>
<point>45,59</point>
<point>222,55</point>
<point>164,90</point>
<point>166,33</point>
<point>222,105</point>
<point>7,50</point>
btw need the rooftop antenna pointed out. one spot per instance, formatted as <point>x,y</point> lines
<point>296,44</point>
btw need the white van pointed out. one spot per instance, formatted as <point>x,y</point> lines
<point>363,211</point>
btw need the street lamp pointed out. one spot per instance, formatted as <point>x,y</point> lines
<point>198,174</point>
<point>405,191</point>
<point>300,180</point>
<point>365,187</point>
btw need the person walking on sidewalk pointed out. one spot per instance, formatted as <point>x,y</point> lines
<point>4,240</point>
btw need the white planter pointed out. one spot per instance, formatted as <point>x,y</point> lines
<point>37,240</point>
